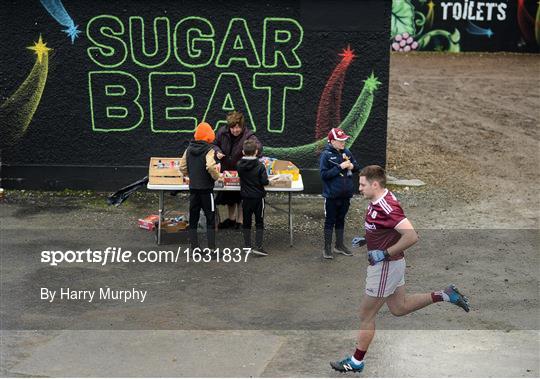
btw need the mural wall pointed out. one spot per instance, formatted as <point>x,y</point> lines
<point>101,84</point>
<point>466,25</point>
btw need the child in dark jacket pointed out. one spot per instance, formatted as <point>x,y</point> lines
<point>337,165</point>
<point>199,164</point>
<point>253,178</point>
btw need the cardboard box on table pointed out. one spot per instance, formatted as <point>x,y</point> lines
<point>231,178</point>
<point>165,171</point>
<point>285,167</point>
<point>280,180</point>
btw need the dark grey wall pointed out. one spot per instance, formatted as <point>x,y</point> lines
<point>62,125</point>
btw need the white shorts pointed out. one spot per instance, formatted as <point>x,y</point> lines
<point>385,277</point>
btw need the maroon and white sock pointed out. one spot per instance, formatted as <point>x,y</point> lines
<point>358,356</point>
<point>439,296</point>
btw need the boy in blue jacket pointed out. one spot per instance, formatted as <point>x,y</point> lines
<point>337,165</point>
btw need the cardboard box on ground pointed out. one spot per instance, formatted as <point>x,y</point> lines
<point>173,222</point>
<point>149,222</point>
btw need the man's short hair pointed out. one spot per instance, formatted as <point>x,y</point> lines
<point>250,147</point>
<point>374,173</point>
<point>235,118</point>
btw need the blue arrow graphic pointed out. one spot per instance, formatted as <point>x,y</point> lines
<point>478,31</point>
<point>57,10</point>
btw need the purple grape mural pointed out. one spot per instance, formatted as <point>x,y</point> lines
<point>404,42</point>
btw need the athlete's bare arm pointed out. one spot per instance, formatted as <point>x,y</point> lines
<point>407,239</point>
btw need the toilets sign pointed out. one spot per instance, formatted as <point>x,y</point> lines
<point>472,10</point>
<point>170,74</point>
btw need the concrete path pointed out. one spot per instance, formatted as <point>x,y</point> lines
<point>167,353</point>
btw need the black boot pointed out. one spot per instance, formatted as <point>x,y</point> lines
<point>327,252</point>
<point>340,245</point>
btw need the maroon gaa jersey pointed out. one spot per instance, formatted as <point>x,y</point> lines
<point>382,216</point>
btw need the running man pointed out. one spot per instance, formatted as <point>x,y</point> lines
<point>388,234</point>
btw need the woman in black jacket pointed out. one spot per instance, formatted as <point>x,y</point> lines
<point>228,146</point>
